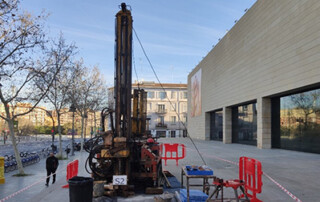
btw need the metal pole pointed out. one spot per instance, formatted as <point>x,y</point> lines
<point>53,129</point>
<point>95,124</point>
<point>72,142</point>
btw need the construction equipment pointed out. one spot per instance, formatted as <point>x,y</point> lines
<point>126,154</point>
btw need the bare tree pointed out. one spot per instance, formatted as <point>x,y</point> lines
<point>22,40</point>
<point>59,56</point>
<point>87,93</point>
<point>99,103</point>
<point>307,102</point>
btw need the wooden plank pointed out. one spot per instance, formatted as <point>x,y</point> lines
<point>108,186</point>
<point>99,181</point>
<point>154,190</point>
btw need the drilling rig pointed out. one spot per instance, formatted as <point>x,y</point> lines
<point>127,154</point>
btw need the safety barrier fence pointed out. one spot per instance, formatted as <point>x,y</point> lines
<point>31,185</point>
<point>172,152</point>
<point>72,170</point>
<point>264,173</point>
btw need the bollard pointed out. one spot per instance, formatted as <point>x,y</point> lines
<point>2,179</point>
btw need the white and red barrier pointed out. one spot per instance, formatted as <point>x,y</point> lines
<point>283,189</point>
<point>270,178</point>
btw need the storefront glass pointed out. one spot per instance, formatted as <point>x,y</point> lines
<point>300,121</point>
<point>244,124</point>
<point>216,130</point>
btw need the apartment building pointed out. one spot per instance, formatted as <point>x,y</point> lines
<point>36,117</point>
<point>39,117</point>
<point>166,107</point>
<point>91,121</point>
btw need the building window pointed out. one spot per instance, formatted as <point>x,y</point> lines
<point>151,94</point>
<point>161,108</point>
<point>162,95</point>
<point>173,94</point>
<point>184,119</point>
<point>244,124</point>
<point>184,95</point>
<point>184,107</point>
<point>150,106</point>
<point>161,120</point>
<point>173,133</point>
<point>173,119</point>
<point>161,134</point>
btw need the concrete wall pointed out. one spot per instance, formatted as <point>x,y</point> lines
<point>273,48</point>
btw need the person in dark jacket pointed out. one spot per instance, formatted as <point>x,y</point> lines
<point>52,164</point>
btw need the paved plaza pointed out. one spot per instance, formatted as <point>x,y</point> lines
<point>296,171</point>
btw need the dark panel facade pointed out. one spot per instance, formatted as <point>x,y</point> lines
<point>216,122</point>
<point>244,124</point>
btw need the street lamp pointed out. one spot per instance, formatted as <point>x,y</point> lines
<point>85,128</point>
<point>73,110</point>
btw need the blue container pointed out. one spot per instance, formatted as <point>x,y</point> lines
<point>194,195</point>
<point>196,171</point>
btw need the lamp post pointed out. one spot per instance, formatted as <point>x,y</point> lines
<point>85,125</point>
<point>73,110</point>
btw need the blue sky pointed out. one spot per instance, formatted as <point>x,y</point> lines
<point>175,34</point>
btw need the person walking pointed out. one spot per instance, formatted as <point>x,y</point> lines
<point>52,164</point>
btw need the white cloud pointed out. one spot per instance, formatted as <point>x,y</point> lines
<point>82,33</point>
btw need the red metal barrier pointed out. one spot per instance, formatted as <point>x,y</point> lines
<point>171,152</point>
<point>249,182</point>
<point>72,170</point>
<point>250,171</point>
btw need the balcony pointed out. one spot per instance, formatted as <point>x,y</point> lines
<point>161,111</point>
<point>161,125</point>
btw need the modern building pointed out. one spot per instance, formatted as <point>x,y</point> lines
<point>260,85</point>
<point>166,107</point>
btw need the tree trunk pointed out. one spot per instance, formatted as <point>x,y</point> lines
<point>60,137</point>
<point>15,148</point>
<point>82,130</point>
<point>306,121</point>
